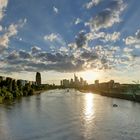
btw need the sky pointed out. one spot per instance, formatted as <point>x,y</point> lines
<point>96,39</point>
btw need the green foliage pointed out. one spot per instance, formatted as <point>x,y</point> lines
<point>10,89</point>
<point>14,86</point>
<point>16,93</point>
<point>1,99</point>
<point>8,95</point>
<point>5,94</point>
<point>28,90</point>
<point>135,87</point>
<point>31,92</point>
<point>19,85</point>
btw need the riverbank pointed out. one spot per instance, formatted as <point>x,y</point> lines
<point>39,92</point>
<point>3,100</point>
<point>124,96</point>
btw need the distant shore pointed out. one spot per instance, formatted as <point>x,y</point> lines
<point>124,96</point>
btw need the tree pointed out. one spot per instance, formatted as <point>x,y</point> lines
<point>135,88</point>
<point>19,84</point>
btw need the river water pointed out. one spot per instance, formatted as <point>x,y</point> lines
<point>69,115</point>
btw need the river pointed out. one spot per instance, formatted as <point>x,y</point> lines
<point>69,115</point>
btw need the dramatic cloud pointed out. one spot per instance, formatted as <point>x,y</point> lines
<point>92,3</point>
<point>25,55</point>
<point>13,55</point>
<point>81,59</point>
<point>108,17</point>
<point>3,5</point>
<point>35,50</point>
<point>81,40</point>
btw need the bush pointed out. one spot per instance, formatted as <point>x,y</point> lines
<point>1,99</point>
<point>8,95</point>
<point>16,93</point>
<point>31,92</point>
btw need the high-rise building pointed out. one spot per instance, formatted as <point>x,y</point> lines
<point>66,83</point>
<point>96,83</point>
<point>38,78</point>
<point>111,83</point>
<point>76,80</point>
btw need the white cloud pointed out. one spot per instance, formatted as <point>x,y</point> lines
<point>133,40</point>
<point>133,45</point>
<point>55,10</point>
<point>35,49</point>
<point>108,17</point>
<point>4,40</point>
<point>51,37</point>
<point>77,21</point>
<point>130,40</point>
<point>127,50</point>
<point>105,37</point>
<point>92,3</point>
<point>72,46</point>
<point>11,31</point>
<point>3,5</point>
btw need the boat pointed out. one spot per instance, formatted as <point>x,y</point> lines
<point>115,105</point>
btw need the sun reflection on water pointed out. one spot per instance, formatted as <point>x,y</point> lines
<point>88,115</point>
<point>89,106</point>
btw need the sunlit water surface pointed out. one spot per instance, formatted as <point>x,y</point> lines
<point>63,115</point>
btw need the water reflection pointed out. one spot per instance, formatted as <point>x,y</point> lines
<point>89,106</point>
<point>88,115</point>
<point>61,115</point>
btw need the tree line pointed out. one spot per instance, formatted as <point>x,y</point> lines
<point>10,89</point>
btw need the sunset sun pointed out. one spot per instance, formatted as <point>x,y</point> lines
<point>90,75</point>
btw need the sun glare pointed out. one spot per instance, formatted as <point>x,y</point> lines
<point>90,75</point>
<point>89,105</point>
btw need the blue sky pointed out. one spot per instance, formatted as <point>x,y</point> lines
<point>59,38</point>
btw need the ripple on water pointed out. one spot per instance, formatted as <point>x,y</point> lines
<point>62,115</point>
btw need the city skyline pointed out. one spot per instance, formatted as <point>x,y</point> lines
<point>71,82</point>
<point>96,39</point>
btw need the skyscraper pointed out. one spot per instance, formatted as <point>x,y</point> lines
<point>38,78</point>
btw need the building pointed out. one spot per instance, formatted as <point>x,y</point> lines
<point>38,78</point>
<point>65,83</point>
<point>111,83</point>
<point>61,83</point>
<point>117,85</point>
<point>76,82</point>
<point>96,83</point>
